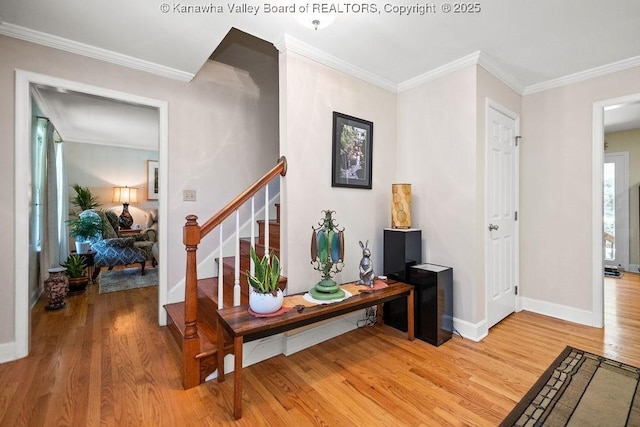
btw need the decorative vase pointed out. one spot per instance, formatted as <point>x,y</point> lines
<point>56,287</point>
<point>265,303</point>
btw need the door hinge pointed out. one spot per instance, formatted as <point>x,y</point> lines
<point>517,138</point>
<point>515,216</point>
<point>516,289</point>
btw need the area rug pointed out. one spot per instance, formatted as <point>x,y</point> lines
<point>581,389</point>
<point>127,278</point>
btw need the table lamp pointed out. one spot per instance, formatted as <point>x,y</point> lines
<point>125,195</point>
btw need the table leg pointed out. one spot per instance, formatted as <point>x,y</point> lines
<point>410,316</point>
<point>237,377</point>
<point>379,319</point>
<point>220,352</point>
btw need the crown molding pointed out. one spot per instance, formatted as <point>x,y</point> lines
<point>290,43</point>
<point>488,64</point>
<point>603,70</point>
<point>436,73</point>
<point>67,45</point>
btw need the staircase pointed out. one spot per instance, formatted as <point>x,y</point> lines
<point>193,322</point>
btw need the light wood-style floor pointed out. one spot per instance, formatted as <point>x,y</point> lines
<point>103,360</point>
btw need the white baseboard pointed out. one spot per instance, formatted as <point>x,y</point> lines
<point>475,332</point>
<point>302,338</point>
<point>7,352</point>
<point>558,311</point>
<point>299,339</point>
<point>293,341</point>
<point>634,268</point>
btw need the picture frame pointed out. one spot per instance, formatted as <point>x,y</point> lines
<point>152,180</point>
<point>352,149</point>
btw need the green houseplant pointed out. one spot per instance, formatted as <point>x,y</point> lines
<point>83,228</point>
<point>83,199</point>
<point>76,271</point>
<point>265,296</point>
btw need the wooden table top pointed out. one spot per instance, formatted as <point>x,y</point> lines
<point>238,322</point>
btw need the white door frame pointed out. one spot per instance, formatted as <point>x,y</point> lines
<point>597,156</point>
<point>512,115</point>
<point>22,175</point>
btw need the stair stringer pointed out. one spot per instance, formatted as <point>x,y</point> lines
<point>208,267</point>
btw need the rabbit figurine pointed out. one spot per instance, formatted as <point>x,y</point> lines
<point>366,267</point>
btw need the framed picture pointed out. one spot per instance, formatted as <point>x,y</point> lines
<point>352,152</point>
<point>152,180</point>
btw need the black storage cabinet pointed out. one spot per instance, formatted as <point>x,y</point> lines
<point>433,298</point>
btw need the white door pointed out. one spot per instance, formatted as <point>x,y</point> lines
<point>616,210</point>
<point>501,230</point>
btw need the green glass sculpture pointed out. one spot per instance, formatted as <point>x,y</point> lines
<point>327,253</point>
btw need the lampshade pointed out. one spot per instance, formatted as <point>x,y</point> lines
<point>401,206</point>
<point>125,195</point>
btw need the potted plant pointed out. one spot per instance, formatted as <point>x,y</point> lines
<point>83,199</point>
<point>83,228</point>
<point>265,296</point>
<point>76,269</point>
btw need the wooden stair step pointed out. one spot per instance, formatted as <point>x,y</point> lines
<point>208,336</point>
<point>245,245</point>
<point>274,233</point>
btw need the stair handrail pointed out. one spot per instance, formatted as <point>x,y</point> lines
<point>191,236</point>
<point>279,169</point>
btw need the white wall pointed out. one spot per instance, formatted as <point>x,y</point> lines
<point>556,194</point>
<point>102,167</point>
<point>204,133</point>
<point>437,155</point>
<point>310,93</point>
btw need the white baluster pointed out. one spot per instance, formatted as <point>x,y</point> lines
<point>220,274</point>
<point>252,267</point>
<point>236,278</point>
<point>266,220</point>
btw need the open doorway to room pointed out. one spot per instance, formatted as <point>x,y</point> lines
<point>25,84</point>
<point>616,179</point>
<point>105,150</point>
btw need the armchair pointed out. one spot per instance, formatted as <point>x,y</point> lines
<point>149,237</point>
<point>112,250</point>
<point>145,239</point>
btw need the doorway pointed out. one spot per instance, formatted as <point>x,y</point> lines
<point>597,217</point>
<point>23,117</point>
<point>616,212</point>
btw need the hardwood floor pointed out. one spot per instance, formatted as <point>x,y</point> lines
<point>103,360</point>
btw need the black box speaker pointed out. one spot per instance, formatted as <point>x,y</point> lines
<point>433,304</point>
<point>402,249</point>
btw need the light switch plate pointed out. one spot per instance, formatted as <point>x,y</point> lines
<point>189,195</point>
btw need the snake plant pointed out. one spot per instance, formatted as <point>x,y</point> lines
<point>267,273</point>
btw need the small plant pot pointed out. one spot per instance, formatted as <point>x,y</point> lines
<point>78,284</point>
<point>83,247</point>
<point>265,303</point>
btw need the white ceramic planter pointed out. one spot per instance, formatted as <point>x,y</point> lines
<point>83,247</point>
<point>265,303</point>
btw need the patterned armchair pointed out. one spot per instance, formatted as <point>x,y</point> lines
<point>112,250</point>
<point>145,239</point>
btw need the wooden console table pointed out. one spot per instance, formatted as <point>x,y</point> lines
<point>237,323</point>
